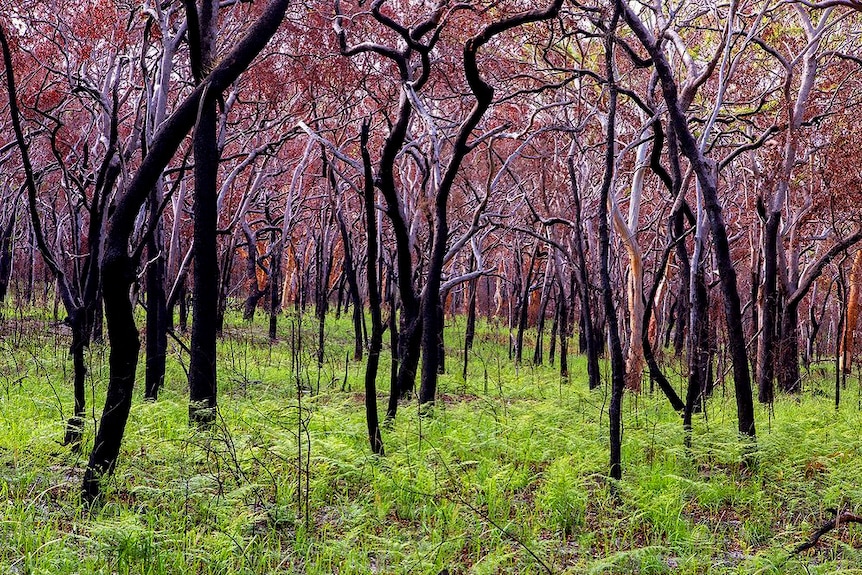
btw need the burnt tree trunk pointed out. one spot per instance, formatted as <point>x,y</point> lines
<point>769,323</point>
<point>706,175</point>
<point>202,357</point>
<point>376,341</point>
<point>323,265</point>
<point>470,330</point>
<point>276,253</point>
<point>6,236</point>
<point>699,354</point>
<point>157,324</point>
<point>618,366</point>
<point>789,376</point>
<point>350,277</point>
<point>394,390</point>
<point>591,346</point>
<point>253,291</point>
<point>563,332</point>
<point>118,269</point>
<point>524,306</point>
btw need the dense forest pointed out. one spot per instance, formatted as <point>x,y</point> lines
<point>397,286</point>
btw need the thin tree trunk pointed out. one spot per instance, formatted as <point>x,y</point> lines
<point>563,321</point>
<point>617,359</point>
<point>394,347</point>
<point>6,260</point>
<point>592,350</point>
<point>470,330</point>
<point>539,352</point>
<point>768,325</point>
<point>252,288</point>
<point>274,284</point>
<point>524,306</point>
<point>376,342</point>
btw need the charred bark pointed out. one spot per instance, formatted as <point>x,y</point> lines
<point>118,267</point>
<point>376,342</point>
<point>205,287</point>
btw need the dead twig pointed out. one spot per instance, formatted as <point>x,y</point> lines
<point>840,519</point>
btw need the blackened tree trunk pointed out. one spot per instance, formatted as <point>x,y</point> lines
<point>769,323</point>
<point>98,317</point>
<point>789,376</point>
<point>484,95</point>
<point>683,309</point>
<point>70,292</point>
<point>539,351</point>
<point>350,276</point>
<point>394,390</point>
<point>524,306</point>
<point>470,330</point>
<point>276,254</point>
<point>707,177</point>
<point>118,268</point>
<point>75,425</point>
<point>376,341</point>
<point>202,360</point>
<point>589,338</point>
<point>563,331</point>
<point>618,366</point>
<point>225,277</point>
<point>157,320</point>
<point>6,235</point>
<point>555,324</point>
<point>655,371</point>
<point>323,265</point>
<point>699,353</point>
<point>441,340</point>
<point>253,291</point>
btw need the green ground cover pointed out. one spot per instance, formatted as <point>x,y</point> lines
<point>505,475</point>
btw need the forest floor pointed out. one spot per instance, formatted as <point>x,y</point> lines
<point>507,474</point>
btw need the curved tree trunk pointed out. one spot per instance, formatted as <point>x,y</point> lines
<point>118,269</point>
<point>376,341</point>
<point>706,175</point>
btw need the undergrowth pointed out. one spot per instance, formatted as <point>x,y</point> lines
<point>505,475</point>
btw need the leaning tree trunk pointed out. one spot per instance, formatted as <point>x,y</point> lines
<point>350,277</point>
<point>118,269</point>
<point>705,172</point>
